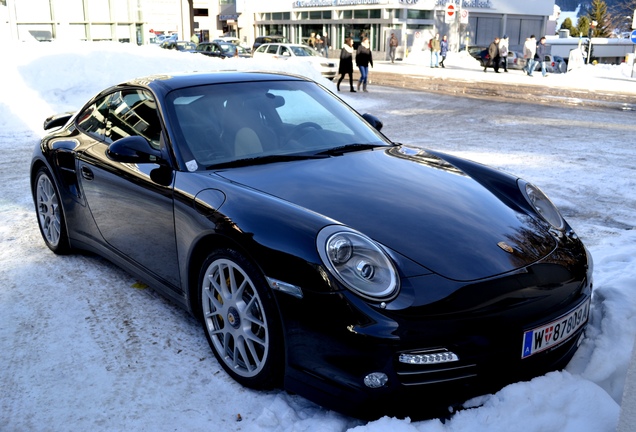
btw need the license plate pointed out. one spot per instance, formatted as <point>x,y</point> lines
<point>558,331</point>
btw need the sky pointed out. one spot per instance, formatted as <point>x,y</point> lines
<point>84,346</point>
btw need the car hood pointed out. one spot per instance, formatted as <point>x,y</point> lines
<point>414,203</point>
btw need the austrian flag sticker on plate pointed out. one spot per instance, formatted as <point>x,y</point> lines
<point>556,332</point>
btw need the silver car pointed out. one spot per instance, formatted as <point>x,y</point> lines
<point>328,68</point>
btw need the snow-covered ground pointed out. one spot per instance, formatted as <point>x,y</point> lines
<point>84,347</point>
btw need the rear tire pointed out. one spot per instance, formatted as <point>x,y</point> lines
<point>240,320</point>
<point>50,213</point>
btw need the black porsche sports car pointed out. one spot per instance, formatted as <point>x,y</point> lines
<point>370,277</point>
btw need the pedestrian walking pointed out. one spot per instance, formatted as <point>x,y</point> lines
<point>529,51</point>
<point>325,42</point>
<point>443,50</point>
<point>542,51</point>
<point>503,52</point>
<point>346,63</point>
<point>364,59</point>
<point>319,44</point>
<point>493,56</point>
<point>435,48</point>
<point>393,43</point>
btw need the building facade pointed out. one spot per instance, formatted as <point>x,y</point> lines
<point>134,21</point>
<point>472,22</point>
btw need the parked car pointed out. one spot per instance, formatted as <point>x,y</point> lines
<point>185,46</point>
<point>221,50</point>
<point>158,39</point>
<point>558,64</point>
<point>481,55</point>
<point>475,51</point>
<point>235,41</point>
<point>260,40</point>
<point>298,52</point>
<point>554,64</point>
<point>516,60</point>
<point>372,277</point>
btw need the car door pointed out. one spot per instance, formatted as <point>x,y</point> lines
<point>131,204</point>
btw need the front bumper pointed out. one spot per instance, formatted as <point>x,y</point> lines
<point>338,339</point>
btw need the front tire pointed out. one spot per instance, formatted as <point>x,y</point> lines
<point>240,320</point>
<point>50,213</point>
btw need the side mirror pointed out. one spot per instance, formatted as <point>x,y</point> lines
<point>133,149</point>
<point>373,121</point>
<point>57,120</point>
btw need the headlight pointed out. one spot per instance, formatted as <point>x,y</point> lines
<point>542,204</point>
<point>358,262</point>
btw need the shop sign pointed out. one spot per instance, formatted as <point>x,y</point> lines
<point>331,3</point>
<point>474,4</point>
<point>228,17</point>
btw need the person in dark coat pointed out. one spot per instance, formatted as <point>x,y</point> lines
<point>493,54</point>
<point>443,50</point>
<point>542,51</point>
<point>346,63</point>
<point>364,58</point>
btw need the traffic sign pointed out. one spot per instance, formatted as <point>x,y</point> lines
<point>450,13</point>
<point>633,36</point>
<point>463,16</point>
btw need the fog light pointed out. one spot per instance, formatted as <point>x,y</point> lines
<point>376,380</point>
<point>428,358</point>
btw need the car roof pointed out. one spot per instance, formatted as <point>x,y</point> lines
<point>271,37</point>
<point>287,44</point>
<point>163,84</point>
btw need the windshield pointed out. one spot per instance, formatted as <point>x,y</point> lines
<point>223,123</point>
<point>186,46</point>
<point>303,51</point>
<point>231,48</point>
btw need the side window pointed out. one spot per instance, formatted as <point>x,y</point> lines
<point>271,49</point>
<point>121,114</point>
<point>94,118</point>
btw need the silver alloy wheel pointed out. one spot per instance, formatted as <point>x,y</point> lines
<point>234,317</point>
<point>48,210</point>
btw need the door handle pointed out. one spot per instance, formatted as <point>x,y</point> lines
<point>87,173</point>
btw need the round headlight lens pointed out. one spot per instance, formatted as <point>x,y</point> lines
<point>340,249</point>
<point>542,204</point>
<point>358,262</point>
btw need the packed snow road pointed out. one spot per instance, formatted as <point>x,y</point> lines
<point>84,346</point>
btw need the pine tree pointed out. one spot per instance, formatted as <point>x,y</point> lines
<point>567,25</point>
<point>583,25</point>
<point>598,13</point>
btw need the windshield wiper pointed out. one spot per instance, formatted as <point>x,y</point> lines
<point>265,160</point>
<point>337,151</point>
